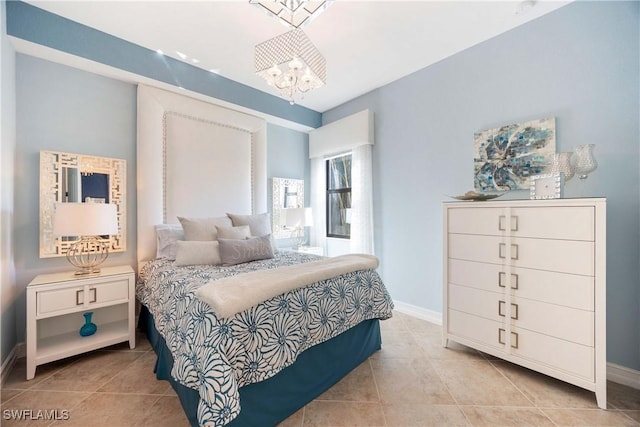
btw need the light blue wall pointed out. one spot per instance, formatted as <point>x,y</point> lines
<point>579,64</point>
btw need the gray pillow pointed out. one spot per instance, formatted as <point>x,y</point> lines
<point>260,224</point>
<point>203,228</point>
<point>197,252</point>
<point>166,237</point>
<point>233,251</point>
<point>239,232</point>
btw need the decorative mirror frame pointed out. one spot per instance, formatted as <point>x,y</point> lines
<point>51,192</point>
<point>280,201</point>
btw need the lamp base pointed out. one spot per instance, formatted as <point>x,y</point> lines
<point>87,254</point>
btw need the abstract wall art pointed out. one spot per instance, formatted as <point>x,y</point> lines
<point>505,157</point>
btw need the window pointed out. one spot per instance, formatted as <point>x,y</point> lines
<point>339,196</point>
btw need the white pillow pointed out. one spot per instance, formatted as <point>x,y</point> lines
<point>239,232</point>
<point>194,252</point>
<point>166,237</point>
<point>203,228</point>
<point>260,224</point>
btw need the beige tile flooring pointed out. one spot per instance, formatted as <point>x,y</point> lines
<point>412,381</point>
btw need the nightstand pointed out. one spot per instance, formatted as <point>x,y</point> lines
<point>56,304</point>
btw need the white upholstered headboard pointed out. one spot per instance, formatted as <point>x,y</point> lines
<point>195,159</point>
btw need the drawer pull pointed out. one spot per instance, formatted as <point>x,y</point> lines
<point>514,251</point>
<point>501,248</point>
<point>514,223</point>
<point>500,336</point>
<point>501,227</point>
<point>501,275</point>
<point>500,308</point>
<point>514,339</point>
<point>95,295</point>
<point>514,309</point>
<point>78,292</point>
<point>514,281</point>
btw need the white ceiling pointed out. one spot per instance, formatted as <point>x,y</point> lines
<point>367,44</point>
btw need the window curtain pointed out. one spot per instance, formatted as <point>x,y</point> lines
<point>361,200</point>
<point>318,201</point>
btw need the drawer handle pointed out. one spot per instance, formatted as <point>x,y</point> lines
<point>95,295</point>
<point>501,248</point>
<point>500,308</point>
<point>78,292</point>
<point>501,332</point>
<point>501,227</point>
<point>514,223</point>
<point>514,251</point>
<point>514,339</point>
<point>514,309</point>
<point>501,275</point>
<point>514,281</point>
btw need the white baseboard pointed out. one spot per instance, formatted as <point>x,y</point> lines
<point>623,375</point>
<point>17,352</point>
<point>419,312</point>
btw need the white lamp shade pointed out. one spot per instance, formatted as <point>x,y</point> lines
<point>298,217</point>
<point>85,219</point>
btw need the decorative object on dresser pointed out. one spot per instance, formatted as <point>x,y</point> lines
<point>507,156</point>
<point>76,178</point>
<point>562,164</point>
<point>89,328</point>
<point>584,161</point>
<point>547,186</point>
<point>526,281</point>
<point>58,303</point>
<point>93,223</point>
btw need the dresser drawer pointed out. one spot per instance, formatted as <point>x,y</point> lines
<point>475,301</point>
<point>566,256</point>
<point>555,353</point>
<point>569,290</point>
<point>563,223</point>
<point>474,328</point>
<point>566,323</point>
<point>56,301</point>
<point>474,274</point>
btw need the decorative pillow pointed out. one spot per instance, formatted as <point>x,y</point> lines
<point>260,224</point>
<point>166,237</point>
<point>233,251</point>
<point>203,228</point>
<point>195,252</point>
<point>239,232</point>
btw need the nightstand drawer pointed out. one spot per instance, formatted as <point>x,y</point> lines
<point>69,299</point>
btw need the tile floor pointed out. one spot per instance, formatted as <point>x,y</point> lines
<point>412,381</point>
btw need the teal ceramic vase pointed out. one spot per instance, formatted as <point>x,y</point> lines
<point>89,328</point>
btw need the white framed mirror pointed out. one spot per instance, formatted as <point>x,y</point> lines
<point>69,177</point>
<point>286,193</point>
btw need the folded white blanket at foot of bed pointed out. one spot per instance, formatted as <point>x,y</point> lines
<point>231,295</point>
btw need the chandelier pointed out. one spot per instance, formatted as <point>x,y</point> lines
<point>293,13</point>
<point>291,63</point>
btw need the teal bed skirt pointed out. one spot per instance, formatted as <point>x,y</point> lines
<point>271,401</point>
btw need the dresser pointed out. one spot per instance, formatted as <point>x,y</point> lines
<point>525,281</point>
<point>57,302</point>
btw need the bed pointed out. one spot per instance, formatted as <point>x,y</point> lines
<point>256,365</point>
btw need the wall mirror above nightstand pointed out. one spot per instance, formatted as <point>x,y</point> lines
<point>287,193</point>
<point>78,178</point>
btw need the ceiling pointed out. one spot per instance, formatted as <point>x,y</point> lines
<point>367,44</point>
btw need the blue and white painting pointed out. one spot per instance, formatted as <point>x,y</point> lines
<point>505,157</point>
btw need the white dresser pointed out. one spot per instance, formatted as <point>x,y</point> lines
<point>525,280</point>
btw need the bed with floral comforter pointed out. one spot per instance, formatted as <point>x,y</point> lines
<point>217,356</point>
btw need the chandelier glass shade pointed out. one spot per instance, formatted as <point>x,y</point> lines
<point>291,63</point>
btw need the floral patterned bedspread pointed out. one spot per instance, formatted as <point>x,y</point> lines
<point>218,356</point>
